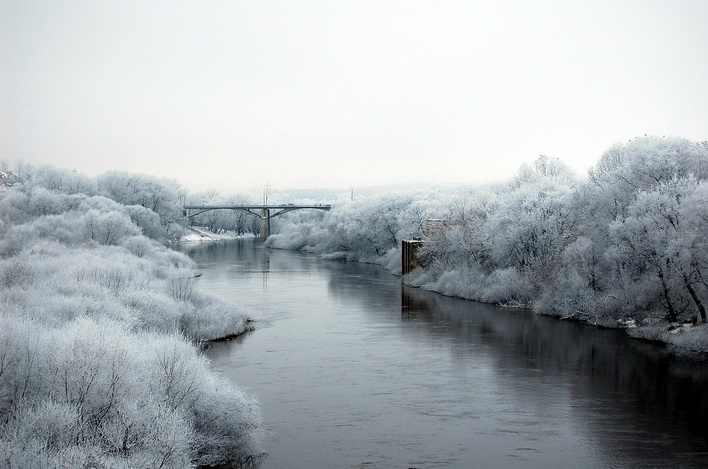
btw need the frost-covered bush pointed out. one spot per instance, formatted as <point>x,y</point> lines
<point>98,325</point>
<point>26,203</point>
<point>153,292</point>
<point>292,236</point>
<point>73,221</point>
<point>94,391</point>
<point>506,286</point>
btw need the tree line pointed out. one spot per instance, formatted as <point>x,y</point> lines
<point>627,245</point>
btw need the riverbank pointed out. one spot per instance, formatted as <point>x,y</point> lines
<point>685,341</point>
<point>628,242</point>
<point>99,333</point>
<point>199,235</point>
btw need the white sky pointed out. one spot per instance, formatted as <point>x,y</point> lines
<point>303,94</point>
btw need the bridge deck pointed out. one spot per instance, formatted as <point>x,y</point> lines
<point>257,207</point>
<point>267,212</point>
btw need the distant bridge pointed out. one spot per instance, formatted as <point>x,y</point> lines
<point>261,211</point>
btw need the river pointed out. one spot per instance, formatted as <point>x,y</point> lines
<point>355,370</point>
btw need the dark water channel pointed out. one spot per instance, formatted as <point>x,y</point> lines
<point>354,370</point>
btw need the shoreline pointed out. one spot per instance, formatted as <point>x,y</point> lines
<point>676,337</point>
<point>658,334</point>
<point>248,327</point>
<point>198,235</point>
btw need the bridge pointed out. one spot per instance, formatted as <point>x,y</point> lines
<point>264,212</point>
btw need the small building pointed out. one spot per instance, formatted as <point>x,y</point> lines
<point>6,179</point>
<point>435,226</point>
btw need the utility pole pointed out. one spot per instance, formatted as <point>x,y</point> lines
<point>265,214</point>
<point>266,189</point>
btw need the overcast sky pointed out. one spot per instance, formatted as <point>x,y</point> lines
<point>308,94</point>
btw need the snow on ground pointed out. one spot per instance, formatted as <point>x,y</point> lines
<point>196,235</point>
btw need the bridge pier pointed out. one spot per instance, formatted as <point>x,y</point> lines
<point>265,224</point>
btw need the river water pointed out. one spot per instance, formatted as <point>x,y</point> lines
<point>354,370</point>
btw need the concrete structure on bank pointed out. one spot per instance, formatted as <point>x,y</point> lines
<point>409,255</point>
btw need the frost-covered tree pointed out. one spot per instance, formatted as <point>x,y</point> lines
<point>218,221</point>
<point>163,196</point>
<point>532,223</point>
<point>655,245</point>
<point>626,217</point>
<point>460,238</point>
<point>627,244</point>
<point>57,180</point>
<point>503,243</point>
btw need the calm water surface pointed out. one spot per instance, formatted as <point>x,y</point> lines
<point>354,370</point>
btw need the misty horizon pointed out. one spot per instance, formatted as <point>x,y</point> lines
<point>302,94</point>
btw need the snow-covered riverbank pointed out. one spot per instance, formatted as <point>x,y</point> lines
<point>627,244</point>
<point>194,234</point>
<point>99,334</point>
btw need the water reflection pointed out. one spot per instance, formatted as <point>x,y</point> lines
<point>631,394</point>
<point>357,370</point>
<point>265,267</point>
